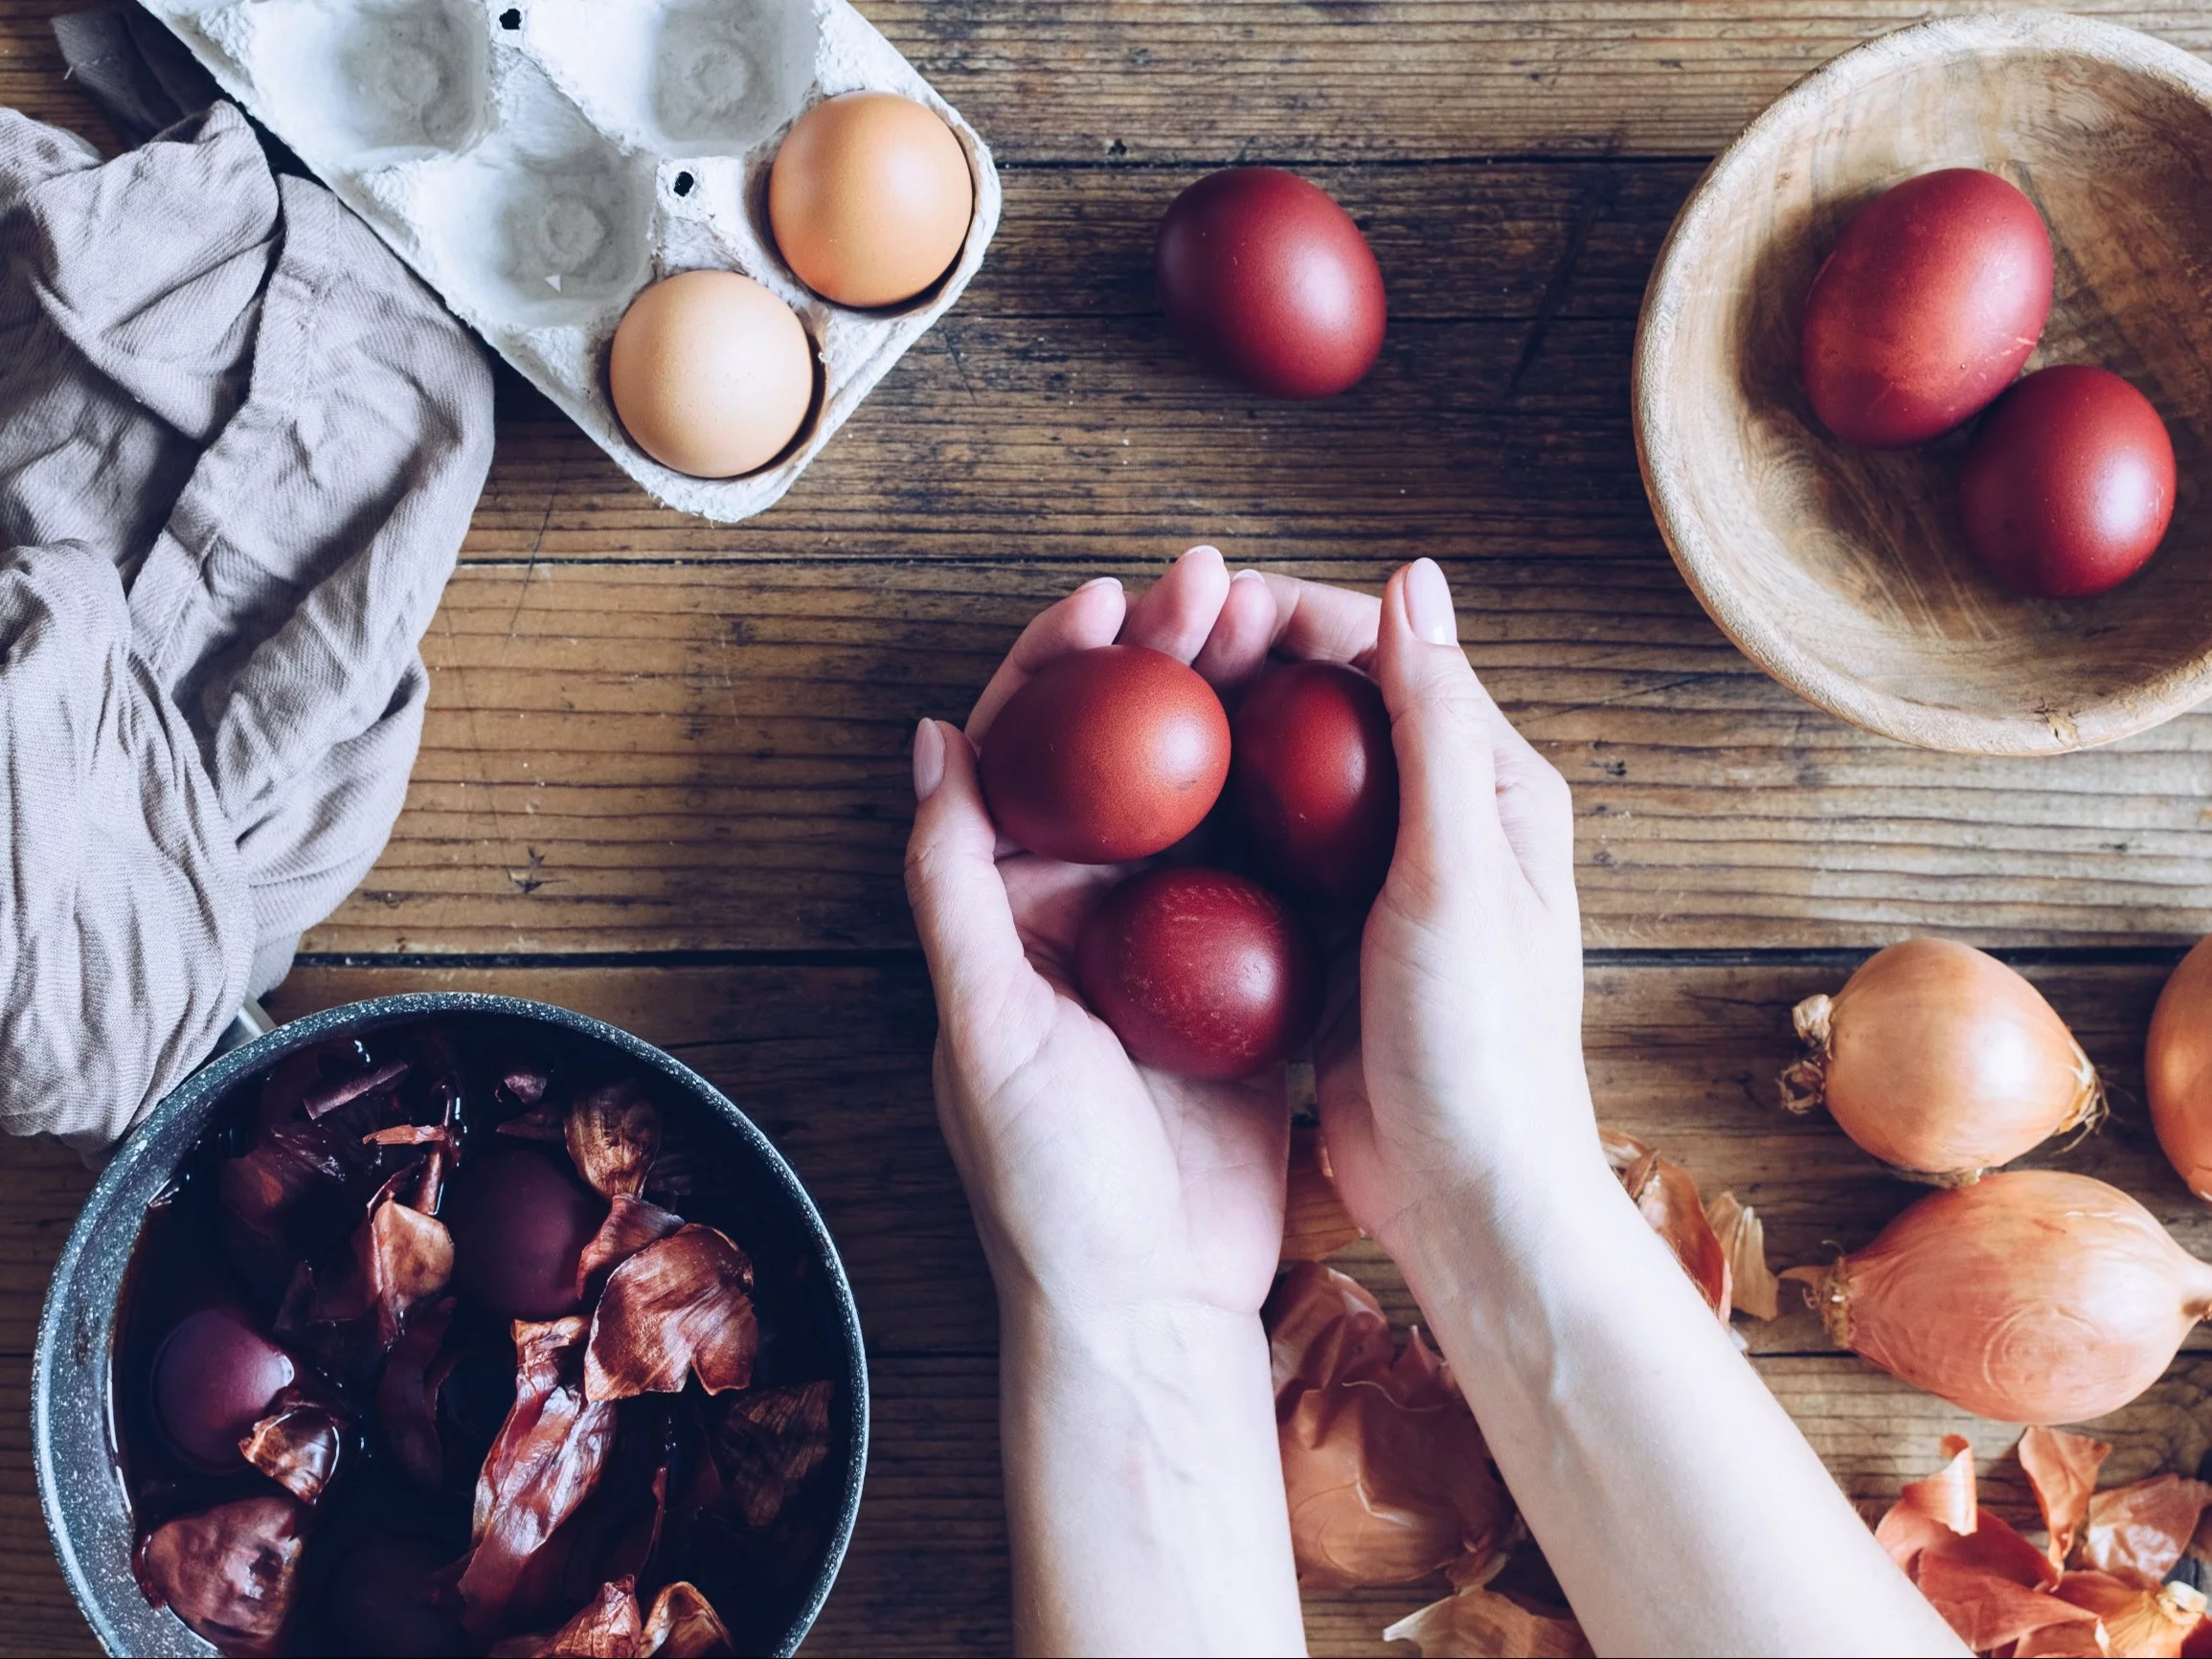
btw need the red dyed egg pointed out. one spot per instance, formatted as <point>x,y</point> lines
<point>1927,308</point>
<point>1314,781</point>
<point>519,1221</point>
<point>2068,487</point>
<point>1269,281</point>
<point>1200,972</point>
<point>213,1378</point>
<point>1106,755</point>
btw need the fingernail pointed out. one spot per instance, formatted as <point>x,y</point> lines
<point>1202,547</point>
<point>928,759</point>
<point>1248,575</point>
<point>1100,582</point>
<point>1429,603</point>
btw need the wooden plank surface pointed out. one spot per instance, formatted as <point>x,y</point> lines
<point>680,758</point>
<point>1133,81</point>
<point>649,734</point>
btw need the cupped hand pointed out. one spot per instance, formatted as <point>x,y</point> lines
<point>1451,1060</point>
<point>1096,1182</point>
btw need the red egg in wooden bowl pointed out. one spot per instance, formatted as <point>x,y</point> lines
<point>1843,569</point>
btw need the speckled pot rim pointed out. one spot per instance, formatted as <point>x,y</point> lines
<point>72,1425</point>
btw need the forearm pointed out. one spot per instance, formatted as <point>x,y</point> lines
<point>1144,1488</point>
<point>1679,1507</point>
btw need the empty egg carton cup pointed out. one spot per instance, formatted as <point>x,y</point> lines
<point>541,163</point>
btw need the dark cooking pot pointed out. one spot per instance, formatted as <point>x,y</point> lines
<point>72,1409</point>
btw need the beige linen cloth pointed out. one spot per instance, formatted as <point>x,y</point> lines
<point>239,448</point>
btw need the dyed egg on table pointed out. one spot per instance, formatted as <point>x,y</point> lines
<point>2069,485</point>
<point>711,374</point>
<point>1268,281</point>
<point>1106,755</point>
<point>869,199</point>
<point>1201,973</point>
<point>1930,303</point>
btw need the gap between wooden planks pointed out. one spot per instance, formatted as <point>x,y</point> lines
<point>1167,81</point>
<point>626,757</point>
<point>832,1059</point>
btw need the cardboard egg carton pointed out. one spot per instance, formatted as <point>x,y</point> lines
<point>539,162</point>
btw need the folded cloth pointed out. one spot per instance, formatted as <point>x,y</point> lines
<point>239,444</point>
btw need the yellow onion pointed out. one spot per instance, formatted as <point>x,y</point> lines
<point>2033,1296</point>
<point>1941,1062</point>
<point>2178,1068</point>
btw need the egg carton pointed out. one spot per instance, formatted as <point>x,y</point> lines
<point>539,162</point>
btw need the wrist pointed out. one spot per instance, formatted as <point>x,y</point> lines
<point>1124,1338</point>
<point>1489,1228</point>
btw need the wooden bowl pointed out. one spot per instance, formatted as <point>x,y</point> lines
<point>1842,571</point>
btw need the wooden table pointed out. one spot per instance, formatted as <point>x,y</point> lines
<point>664,778</point>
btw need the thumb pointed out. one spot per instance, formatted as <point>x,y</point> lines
<point>952,874</point>
<point>1439,725</point>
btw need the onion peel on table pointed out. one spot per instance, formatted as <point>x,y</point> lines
<point>1388,1477</point>
<point>2061,1471</point>
<point>2138,1532</point>
<point>1482,1624</point>
<point>1315,1223</point>
<point>2001,1594</point>
<point>1751,1283</point>
<point>1666,1197</point>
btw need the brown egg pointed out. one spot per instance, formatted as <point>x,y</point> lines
<point>712,373</point>
<point>869,198</point>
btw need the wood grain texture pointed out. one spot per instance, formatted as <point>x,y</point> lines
<point>654,734</point>
<point>1126,82</point>
<point>1845,572</point>
<point>1408,79</point>
<point>696,757</point>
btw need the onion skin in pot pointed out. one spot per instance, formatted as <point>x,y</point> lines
<point>2177,1069</point>
<point>2033,1296</point>
<point>1941,1062</point>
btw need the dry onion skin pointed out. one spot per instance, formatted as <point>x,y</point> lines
<point>1315,1223</point>
<point>2085,1594</point>
<point>2177,1069</point>
<point>1941,1062</point>
<point>2033,1296</point>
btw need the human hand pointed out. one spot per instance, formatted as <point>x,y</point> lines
<point>1095,1182</point>
<point>1454,1057</point>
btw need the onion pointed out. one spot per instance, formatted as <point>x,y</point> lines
<point>2178,1067</point>
<point>1941,1062</point>
<point>2034,1296</point>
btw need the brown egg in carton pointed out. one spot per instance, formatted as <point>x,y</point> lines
<point>540,162</point>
